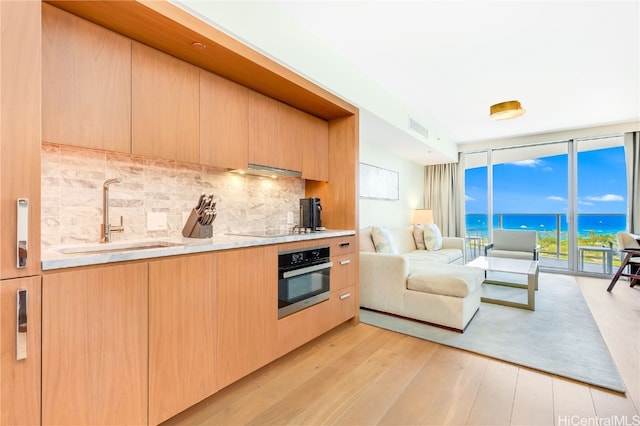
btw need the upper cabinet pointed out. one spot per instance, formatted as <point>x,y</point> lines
<point>287,138</point>
<point>224,133</point>
<point>315,148</point>
<point>165,106</point>
<point>291,131</point>
<point>86,84</point>
<point>20,132</point>
<point>263,131</point>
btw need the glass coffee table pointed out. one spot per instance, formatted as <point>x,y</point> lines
<point>506,267</point>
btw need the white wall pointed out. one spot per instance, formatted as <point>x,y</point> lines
<point>411,181</point>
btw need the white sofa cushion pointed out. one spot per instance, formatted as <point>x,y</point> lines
<point>432,237</point>
<point>383,241</point>
<point>418,236</point>
<point>447,280</point>
<point>422,258</point>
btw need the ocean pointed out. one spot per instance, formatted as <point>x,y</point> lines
<point>599,224</point>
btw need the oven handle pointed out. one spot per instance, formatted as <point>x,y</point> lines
<point>307,270</point>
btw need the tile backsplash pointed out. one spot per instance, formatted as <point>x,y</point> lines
<point>72,180</point>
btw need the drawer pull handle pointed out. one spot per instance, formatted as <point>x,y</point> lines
<point>345,296</point>
<point>21,324</point>
<point>345,261</point>
<point>343,245</point>
<point>22,232</point>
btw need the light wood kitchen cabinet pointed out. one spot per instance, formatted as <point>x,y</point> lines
<point>20,384</point>
<point>343,305</point>
<point>182,333</point>
<point>298,328</point>
<point>165,106</point>
<point>20,131</point>
<point>292,133</point>
<point>95,346</point>
<point>86,83</point>
<point>343,256</point>
<point>264,148</point>
<point>224,133</point>
<point>247,297</point>
<point>315,148</point>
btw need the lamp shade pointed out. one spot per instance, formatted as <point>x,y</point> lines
<point>506,110</point>
<point>422,217</point>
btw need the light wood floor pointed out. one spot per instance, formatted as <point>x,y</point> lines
<point>362,375</point>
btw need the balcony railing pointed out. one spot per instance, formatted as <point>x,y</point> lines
<point>596,242</point>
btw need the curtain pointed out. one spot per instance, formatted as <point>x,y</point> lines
<point>441,196</point>
<point>632,154</point>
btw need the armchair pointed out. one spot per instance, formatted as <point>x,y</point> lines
<point>515,244</point>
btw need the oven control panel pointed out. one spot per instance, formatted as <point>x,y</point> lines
<point>303,257</point>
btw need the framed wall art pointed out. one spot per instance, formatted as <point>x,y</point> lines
<point>378,184</point>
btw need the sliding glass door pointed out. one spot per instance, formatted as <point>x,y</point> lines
<point>573,193</point>
<point>601,203</point>
<point>531,191</point>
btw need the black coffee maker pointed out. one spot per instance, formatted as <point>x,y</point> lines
<point>310,209</point>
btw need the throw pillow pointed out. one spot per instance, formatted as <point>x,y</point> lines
<point>418,236</point>
<point>432,237</point>
<point>383,241</point>
<point>366,243</point>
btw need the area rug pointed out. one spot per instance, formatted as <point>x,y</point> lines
<point>560,337</point>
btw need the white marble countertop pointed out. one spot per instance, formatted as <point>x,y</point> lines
<point>120,251</point>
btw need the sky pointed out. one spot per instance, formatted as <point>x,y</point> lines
<point>540,185</point>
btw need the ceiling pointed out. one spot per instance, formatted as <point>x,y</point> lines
<point>572,64</point>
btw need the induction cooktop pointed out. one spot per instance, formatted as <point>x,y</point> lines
<point>261,234</point>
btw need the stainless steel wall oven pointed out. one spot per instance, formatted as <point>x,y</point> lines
<point>303,278</point>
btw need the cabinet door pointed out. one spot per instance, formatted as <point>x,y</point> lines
<point>263,130</point>
<point>20,385</point>
<point>315,149</point>
<point>247,311</point>
<point>182,327</point>
<point>20,117</point>
<point>292,136</point>
<point>86,83</point>
<point>224,135</point>
<point>95,346</point>
<point>165,106</point>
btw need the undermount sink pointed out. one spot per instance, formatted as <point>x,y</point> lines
<point>115,247</point>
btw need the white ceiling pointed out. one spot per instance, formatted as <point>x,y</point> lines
<point>572,64</point>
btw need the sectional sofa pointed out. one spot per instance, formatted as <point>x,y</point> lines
<point>432,286</point>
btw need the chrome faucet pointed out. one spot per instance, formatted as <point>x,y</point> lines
<point>107,228</point>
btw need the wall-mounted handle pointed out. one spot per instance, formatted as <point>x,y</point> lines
<point>343,245</point>
<point>22,232</point>
<point>345,296</point>
<point>21,324</point>
<point>345,261</point>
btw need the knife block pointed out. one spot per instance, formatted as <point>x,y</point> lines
<point>193,229</point>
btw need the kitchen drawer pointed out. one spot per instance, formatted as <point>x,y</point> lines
<point>342,245</point>
<point>343,272</point>
<point>297,329</point>
<point>343,305</point>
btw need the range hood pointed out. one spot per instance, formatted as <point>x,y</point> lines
<point>265,171</point>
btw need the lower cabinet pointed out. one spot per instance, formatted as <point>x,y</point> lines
<point>20,349</point>
<point>182,333</point>
<point>247,296</point>
<point>299,328</point>
<point>95,346</point>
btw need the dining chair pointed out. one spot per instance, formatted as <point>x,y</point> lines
<point>629,246</point>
